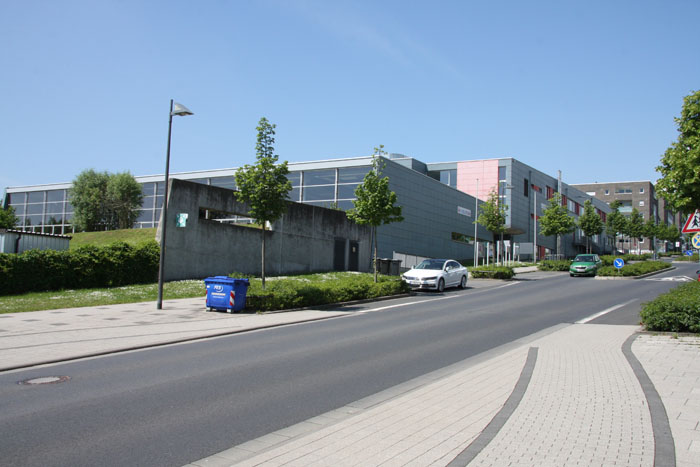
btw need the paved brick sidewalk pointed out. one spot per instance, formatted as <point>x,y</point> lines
<point>673,365</point>
<point>55,335</point>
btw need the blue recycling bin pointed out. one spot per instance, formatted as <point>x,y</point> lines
<point>225,293</point>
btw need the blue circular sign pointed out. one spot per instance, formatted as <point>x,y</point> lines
<point>696,240</point>
<point>689,252</point>
<point>618,263</point>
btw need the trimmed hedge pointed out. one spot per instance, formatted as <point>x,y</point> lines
<point>609,259</point>
<point>86,267</point>
<point>634,269</point>
<point>554,265</point>
<point>675,311</point>
<point>493,272</point>
<point>289,293</point>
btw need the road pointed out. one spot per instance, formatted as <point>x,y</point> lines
<point>172,405</point>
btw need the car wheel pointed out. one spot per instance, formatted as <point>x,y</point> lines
<point>571,275</point>
<point>463,283</point>
<point>441,285</point>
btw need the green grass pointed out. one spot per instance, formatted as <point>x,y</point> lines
<point>53,300</point>
<point>104,238</point>
<point>280,293</point>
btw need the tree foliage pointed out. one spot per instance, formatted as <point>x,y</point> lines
<point>375,203</point>
<point>555,219</point>
<point>492,215</point>
<point>104,201</point>
<point>264,186</point>
<point>8,220</point>
<point>680,181</point>
<point>590,222</point>
<point>124,197</point>
<point>635,225</point>
<point>616,222</point>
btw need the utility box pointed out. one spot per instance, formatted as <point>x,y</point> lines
<point>225,293</point>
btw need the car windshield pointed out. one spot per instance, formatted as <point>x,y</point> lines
<point>431,264</point>
<point>585,259</point>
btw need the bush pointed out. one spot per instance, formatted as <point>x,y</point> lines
<point>636,269</point>
<point>493,272</point>
<point>554,265</point>
<point>693,258</point>
<point>609,259</point>
<point>675,311</point>
<point>298,292</point>
<point>86,267</point>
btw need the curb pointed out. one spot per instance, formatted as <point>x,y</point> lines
<point>618,278</point>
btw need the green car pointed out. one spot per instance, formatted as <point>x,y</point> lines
<point>585,265</point>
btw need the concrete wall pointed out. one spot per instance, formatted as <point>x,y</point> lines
<point>303,240</point>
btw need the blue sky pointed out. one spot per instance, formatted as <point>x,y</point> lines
<point>586,87</point>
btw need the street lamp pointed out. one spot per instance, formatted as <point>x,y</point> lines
<point>179,110</point>
<point>501,202</point>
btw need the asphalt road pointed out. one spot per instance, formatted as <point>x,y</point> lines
<point>172,405</point>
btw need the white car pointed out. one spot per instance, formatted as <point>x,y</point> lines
<point>437,274</point>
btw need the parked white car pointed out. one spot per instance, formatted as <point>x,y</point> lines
<point>437,274</point>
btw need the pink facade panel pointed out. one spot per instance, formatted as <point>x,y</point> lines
<point>486,171</point>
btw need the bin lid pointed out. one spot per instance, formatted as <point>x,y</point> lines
<point>241,281</point>
<point>213,279</point>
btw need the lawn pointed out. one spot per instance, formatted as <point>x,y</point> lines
<point>131,236</point>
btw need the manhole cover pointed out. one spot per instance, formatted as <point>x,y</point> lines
<point>46,380</point>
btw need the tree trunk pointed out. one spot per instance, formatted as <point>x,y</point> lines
<point>262,230</point>
<point>375,253</point>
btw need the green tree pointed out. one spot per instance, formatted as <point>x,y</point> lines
<point>8,220</point>
<point>264,186</point>
<point>124,196</point>
<point>669,233</point>
<point>652,231</point>
<point>635,226</point>
<point>590,222</point>
<point>88,195</point>
<point>680,181</point>
<point>556,220</point>
<point>375,203</point>
<point>616,222</point>
<point>492,215</point>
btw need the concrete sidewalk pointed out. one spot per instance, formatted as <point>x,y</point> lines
<point>572,394</point>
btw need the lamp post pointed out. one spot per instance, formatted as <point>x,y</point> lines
<point>501,201</point>
<point>179,110</point>
<point>476,216</point>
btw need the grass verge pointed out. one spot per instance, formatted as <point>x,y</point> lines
<point>280,293</point>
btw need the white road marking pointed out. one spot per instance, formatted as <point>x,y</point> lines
<point>604,312</point>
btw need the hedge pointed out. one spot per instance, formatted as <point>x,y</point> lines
<point>290,293</point>
<point>86,267</point>
<point>493,272</point>
<point>635,269</point>
<point>675,311</point>
<point>554,265</point>
<point>608,260</point>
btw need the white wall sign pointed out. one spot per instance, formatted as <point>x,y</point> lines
<point>464,211</point>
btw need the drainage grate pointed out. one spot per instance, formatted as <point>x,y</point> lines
<point>45,380</point>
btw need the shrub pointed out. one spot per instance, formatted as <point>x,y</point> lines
<point>609,259</point>
<point>554,265</point>
<point>302,291</point>
<point>635,269</point>
<point>86,267</point>
<point>675,311</point>
<point>493,272</point>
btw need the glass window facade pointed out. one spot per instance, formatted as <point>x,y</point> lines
<point>50,211</point>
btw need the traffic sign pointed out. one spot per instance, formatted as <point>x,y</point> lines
<point>689,252</point>
<point>692,225</point>
<point>696,241</point>
<point>618,263</point>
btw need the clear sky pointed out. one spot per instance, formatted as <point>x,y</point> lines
<point>590,88</point>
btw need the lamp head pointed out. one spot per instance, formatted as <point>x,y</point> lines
<point>180,110</point>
